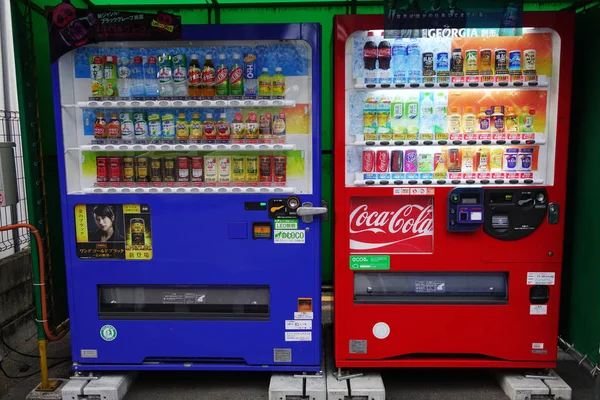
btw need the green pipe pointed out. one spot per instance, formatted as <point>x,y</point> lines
<point>29,137</point>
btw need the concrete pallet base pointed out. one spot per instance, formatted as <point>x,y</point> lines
<point>369,386</point>
<point>288,387</point>
<point>106,387</point>
<point>54,395</point>
<point>517,387</point>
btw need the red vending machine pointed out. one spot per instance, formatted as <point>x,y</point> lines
<point>450,183</point>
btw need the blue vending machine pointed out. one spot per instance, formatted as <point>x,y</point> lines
<point>191,199</point>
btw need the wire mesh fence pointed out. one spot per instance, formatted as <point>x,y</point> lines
<point>14,240</point>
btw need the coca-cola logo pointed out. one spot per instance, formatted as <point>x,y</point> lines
<point>370,52</point>
<point>401,224</point>
<point>384,52</point>
<point>221,75</point>
<point>236,75</point>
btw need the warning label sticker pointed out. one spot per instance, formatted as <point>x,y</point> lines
<point>303,315</point>
<point>541,278</point>
<point>298,336</point>
<point>538,309</point>
<point>298,325</point>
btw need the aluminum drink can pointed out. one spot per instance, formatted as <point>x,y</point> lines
<point>210,170</point>
<point>368,161</point>
<point>224,170</point>
<point>382,161</point>
<point>238,170</point>
<point>141,169</point>
<point>485,62</point>
<point>197,169</point>
<point>183,169</point>
<point>128,169</point>
<point>265,164</point>
<point>169,169</point>
<point>514,61</point>
<point>410,161</point>
<point>397,161</point>
<point>500,60</point>
<point>252,175</point>
<point>529,60</point>
<point>115,169</point>
<point>279,170</point>
<point>156,169</point>
<point>102,169</point>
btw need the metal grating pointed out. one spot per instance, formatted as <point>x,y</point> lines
<point>15,240</point>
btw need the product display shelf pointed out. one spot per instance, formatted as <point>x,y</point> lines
<point>444,182</point>
<point>186,147</point>
<point>539,139</point>
<point>199,103</point>
<point>542,82</point>
<point>188,190</point>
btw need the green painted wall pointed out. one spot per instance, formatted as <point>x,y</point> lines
<point>580,322</point>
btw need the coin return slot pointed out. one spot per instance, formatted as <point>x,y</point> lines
<point>500,222</point>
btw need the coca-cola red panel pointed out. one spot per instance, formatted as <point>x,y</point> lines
<point>391,225</point>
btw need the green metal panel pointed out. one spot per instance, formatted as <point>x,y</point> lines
<point>327,226</point>
<point>580,322</point>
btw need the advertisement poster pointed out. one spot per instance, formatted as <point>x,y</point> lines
<point>70,28</point>
<point>413,18</point>
<point>113,231</point>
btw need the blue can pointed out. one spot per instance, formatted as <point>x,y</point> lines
<point>442,62</point>
<point>514,60</point>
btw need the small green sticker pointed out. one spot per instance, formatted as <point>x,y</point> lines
<point>286,224</point>
<point>366,262</point>
<point>108,333</point>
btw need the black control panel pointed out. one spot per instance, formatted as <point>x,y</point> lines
<point>512,214</point>
<point>283,207</point>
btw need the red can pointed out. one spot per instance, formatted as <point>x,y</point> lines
<point>382,161</point>
<point>102,169</point>
<point>115,169</point>
<point>368,161</point>
<point>279,168</point>
<point>183,169</point>
<point>197,169</point>
<point>397,161</point>
<point>265,166</point>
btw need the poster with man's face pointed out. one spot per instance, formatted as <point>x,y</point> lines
<point>113,231</point>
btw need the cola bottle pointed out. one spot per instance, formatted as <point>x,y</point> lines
<point>384,56</point>
<point>370,60</point>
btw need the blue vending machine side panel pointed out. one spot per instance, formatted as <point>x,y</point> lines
<point>203,246</point>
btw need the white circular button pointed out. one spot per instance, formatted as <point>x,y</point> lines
<point>381,330</point>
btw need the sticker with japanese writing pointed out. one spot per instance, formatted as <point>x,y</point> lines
<point>113,231</point>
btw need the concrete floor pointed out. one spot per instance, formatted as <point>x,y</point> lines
<point>400,384</point>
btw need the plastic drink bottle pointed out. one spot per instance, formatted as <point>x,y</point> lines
<point>110,77</point>
<point>124,76</point>
<point>194,77</point>
<point>137,77</point>
<point>208,77</point>
<point>151,77</point>
<point>236,80</point>
<point>440,114</point>
<point>165,75</point>
<point>399,62</point>
<point>222,79</point>
<point>370,61</point>
<point>414,61</point>
<point>180,85</point>
<point>384,57</point>
<point>278,87</point>
<point>412,115</point>
<point>426,117</point>
<point>264,83</point>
